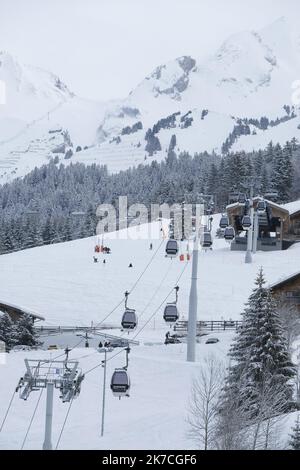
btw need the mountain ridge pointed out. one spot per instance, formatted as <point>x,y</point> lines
<point>238,98</point>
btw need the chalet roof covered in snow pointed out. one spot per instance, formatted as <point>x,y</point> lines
<point>6,306</point>
<point>286,280</point>
<point>293,207</point>
<point>270,203</point>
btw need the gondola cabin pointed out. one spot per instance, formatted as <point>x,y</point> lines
<point>206,240</point>
<point>172,248</point>
<point>129,319</point>
<point>261,207</point>
<point>242,198</point>
<point>229,233</point>
<point>171,314</point>
<point>120,383</point>
<point>224,222</point>
<point>246,222</point>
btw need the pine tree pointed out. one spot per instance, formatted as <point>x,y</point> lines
<point>269,153</point>
<point>7,240</point>
<point>49,232</point>
<point>90,222</point>
<point>282,174</point>
<point>26,334</point>
<point>259,352</point>
<point>264,180</point>
<point>8,333</point>
<point>295,436</point>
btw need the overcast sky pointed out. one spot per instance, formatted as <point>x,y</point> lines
<point>103,48</point>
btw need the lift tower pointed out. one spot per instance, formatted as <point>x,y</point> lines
<point>50,374</point>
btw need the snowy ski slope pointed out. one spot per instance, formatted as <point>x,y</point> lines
<point>62,283</point>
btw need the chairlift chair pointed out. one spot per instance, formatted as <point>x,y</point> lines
<point>120,383</point>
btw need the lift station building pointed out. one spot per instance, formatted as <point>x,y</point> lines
<point>277,227</point>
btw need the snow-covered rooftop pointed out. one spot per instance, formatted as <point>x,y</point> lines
<point>259,198</point>
<point>292,207</point>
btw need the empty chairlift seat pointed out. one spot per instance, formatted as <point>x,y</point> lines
<point>206,240</point>
<point>229,233</point>
<point>120,383</point>
<point>172,248</point>
<point>224,222</point>
<point>129,319</point>
<point>171,313</point>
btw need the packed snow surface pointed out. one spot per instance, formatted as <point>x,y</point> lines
<point>62,283</point>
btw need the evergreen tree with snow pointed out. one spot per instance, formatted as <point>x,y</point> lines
<point>7,240</point>
<point>282,172</point>
<point>90,222</point>
<point>264,180</point>
<point>25,332</point>
<point>259,353</point>
<point>269,152</point>
<point>48,233</point>
<point>8,331</point>
<point>295,436</point>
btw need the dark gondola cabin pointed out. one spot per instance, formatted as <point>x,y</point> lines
<point>120,383</point>
<point>171,313</point>
<point>206,240</point>
<point>224,222</point>
<point>246,222</point>
<point>172,248</point>
<point>261,207</point>
<point>129,319</point>
<point>229,233</point>
<point>242,198</point>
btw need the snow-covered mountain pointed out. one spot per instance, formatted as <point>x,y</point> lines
<point>37,109</point>
<point>238,98</point>
<point>250,76</point>
<point>29,90</point>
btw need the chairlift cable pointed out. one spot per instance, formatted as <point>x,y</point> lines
<point>165,299</point>
<point>7,411</point>
<point>146,267</point>
<point>32,418</point>
<point>121,301</point>
<point>64,423</point>
<point>155,312</point>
